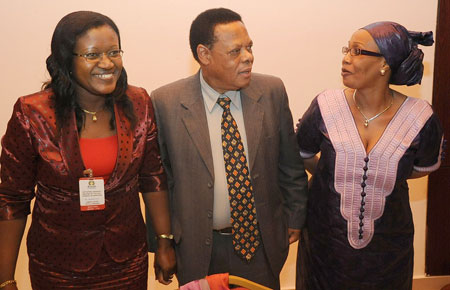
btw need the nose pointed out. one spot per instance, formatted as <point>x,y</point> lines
<point>247,55</point>
<point>105,61</point>
<point>347,58</point>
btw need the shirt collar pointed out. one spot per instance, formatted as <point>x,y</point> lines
<point>210,96</point>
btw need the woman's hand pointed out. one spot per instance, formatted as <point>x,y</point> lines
<point>165,262</point>
<point>10,287</point>
<point>11,232</point>
<point>158,207</point>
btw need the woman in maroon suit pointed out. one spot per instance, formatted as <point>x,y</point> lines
<point>84,147</point>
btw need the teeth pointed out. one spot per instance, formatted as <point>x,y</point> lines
<point>104,76</point>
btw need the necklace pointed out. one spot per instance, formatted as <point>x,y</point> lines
<point>94,114</point>
<point>368,120</point>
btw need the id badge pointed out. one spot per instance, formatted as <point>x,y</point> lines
<point>92,193</point>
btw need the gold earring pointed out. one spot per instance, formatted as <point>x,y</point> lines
<point>382,71</point>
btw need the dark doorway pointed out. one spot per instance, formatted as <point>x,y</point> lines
<point>437,261</point>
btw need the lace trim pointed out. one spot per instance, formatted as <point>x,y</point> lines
<point>364,181</point>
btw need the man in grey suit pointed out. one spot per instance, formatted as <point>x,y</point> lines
<point>192,136</point>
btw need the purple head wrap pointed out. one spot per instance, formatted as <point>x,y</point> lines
<point>399,48</point>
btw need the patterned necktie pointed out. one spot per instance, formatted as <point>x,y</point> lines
<point>244,225</point>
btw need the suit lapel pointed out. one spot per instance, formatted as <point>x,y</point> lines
<point>70,148</point>
<point>194,119</point>
<point>71,153</point>
<point>125,148</point>
<point>253,120</point>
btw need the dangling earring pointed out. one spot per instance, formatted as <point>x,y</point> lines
<point>382,71</point>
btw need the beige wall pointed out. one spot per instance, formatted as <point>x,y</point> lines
<point>298,40</point>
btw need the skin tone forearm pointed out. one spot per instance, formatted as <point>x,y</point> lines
<point>158,206</point>
<point>11,232</point>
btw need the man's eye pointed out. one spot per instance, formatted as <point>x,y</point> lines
<point>235,51</point>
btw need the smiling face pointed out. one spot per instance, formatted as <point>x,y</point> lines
<point>362,71</point>
<point>227,65</point>
<point>97,77</point>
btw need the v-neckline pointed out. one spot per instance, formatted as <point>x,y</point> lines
<point>386,129</point>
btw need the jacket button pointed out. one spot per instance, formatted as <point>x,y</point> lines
<point>210,214</point>
<point>210,185</point>
<point>208,241</point>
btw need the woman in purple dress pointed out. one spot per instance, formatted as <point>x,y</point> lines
<point>371,139</point>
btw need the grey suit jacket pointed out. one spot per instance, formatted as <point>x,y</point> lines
<point>278,177</point>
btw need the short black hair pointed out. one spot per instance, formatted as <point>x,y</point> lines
<point>202,28</point>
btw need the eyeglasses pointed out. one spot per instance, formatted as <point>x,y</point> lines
<point>97,56</point>
<point>354,51</point>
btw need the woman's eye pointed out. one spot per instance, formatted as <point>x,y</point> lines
<point>92,55</point>
<point>114,53</point>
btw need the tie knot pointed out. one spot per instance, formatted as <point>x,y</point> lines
<point>224,103</point>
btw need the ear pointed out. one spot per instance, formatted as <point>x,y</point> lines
<point>204,54</point>
<point>385,66</point>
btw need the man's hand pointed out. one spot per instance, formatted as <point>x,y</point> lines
<point>294,235</point>
<point>165,262</point>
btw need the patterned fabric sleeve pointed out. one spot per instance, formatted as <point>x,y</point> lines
<point>151,175</point>
<point>18,167</point>
<point>308,133</point>
<point>428,155</point>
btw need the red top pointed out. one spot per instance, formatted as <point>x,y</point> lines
<point>100,155</point>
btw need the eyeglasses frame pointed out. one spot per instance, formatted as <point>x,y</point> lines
<point>101,54</point>
<point>346,50</point>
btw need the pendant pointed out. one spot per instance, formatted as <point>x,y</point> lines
<point>94,118</point>
<point>366,123</point>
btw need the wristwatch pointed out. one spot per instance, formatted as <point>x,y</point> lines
<point>165,236</point>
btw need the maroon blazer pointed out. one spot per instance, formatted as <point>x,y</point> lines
<point>37,161</point>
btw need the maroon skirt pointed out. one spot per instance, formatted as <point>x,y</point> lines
<point>106,274</point>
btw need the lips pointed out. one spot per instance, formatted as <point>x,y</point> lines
<point>105,75</point>
<point>345,72</point>
<point>246,72</point>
